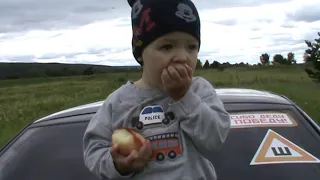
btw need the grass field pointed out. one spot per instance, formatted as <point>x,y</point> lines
<point>22,101</point>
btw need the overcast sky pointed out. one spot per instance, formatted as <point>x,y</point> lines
<point>99,31</point>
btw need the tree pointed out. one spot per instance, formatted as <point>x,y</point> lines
<point>278,59</point>
<point>264,58</point>
<point>291,59</point>
<point>199,64</point>
<point>306,58</point>
<point>88,71</point>
<point>226,65</point>
<point>313,56</point>
<point>215,65</point>
<point>206,64</point>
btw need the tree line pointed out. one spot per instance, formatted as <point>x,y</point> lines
<point>311,56</point>
<point>278,59</point>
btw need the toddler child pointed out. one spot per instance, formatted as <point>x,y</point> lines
<point>181,116</point>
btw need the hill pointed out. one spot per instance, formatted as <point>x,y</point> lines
<point>31,70</point>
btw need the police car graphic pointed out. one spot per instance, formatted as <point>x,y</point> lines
<point>152,115</point>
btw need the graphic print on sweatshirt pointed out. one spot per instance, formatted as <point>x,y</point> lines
<point>152,115</point>
<point>161,128</point>
<point>166,146</point>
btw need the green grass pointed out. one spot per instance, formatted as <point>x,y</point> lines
<point>23,101</point>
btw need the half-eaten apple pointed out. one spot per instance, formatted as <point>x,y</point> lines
<point>127,139</point>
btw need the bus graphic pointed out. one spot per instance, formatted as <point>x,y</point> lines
<point>152,115</point>
<point>165,146</point>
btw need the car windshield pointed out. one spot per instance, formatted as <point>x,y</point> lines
<point>55,151</point>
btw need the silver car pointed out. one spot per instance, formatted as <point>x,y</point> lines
<point>271,139</point>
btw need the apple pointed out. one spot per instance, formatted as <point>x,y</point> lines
<point>127,139</point>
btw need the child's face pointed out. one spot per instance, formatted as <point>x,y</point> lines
<point>176,47</point>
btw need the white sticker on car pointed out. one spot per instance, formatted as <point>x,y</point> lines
<point>268,119</point>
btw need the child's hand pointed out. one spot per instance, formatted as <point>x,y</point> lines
<point>134,162</point>
<point>176,80</point>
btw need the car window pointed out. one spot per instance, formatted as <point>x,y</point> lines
<point>157,109</point>
<point>147,110</point>
<point>260,145</point>
<point>47,153</point>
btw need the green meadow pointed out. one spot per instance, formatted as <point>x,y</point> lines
<point>25,100</point>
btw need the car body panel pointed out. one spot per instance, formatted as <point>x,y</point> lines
<point>227,95</point>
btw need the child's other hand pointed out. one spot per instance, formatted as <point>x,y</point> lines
<point>176,80</point>
<point>134,162</point>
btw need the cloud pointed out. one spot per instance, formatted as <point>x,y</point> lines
<point>21,15</point>
<point>20,58</point>
<point>99,31</point>
<point>307,12</point>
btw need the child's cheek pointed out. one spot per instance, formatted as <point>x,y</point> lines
<point>193,66</point>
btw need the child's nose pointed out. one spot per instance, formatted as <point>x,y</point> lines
<point>180,57</point>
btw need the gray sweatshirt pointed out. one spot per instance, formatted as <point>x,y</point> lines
<point>183,134</point>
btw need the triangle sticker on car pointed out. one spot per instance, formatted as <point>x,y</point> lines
<point>275,149</point>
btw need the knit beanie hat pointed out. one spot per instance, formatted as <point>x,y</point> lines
<point>151,19</point>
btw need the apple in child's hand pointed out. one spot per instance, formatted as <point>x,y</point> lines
<point>128,140</point>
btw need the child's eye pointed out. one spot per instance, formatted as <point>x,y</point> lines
<point>166,47</point>
<point>193,46</point>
